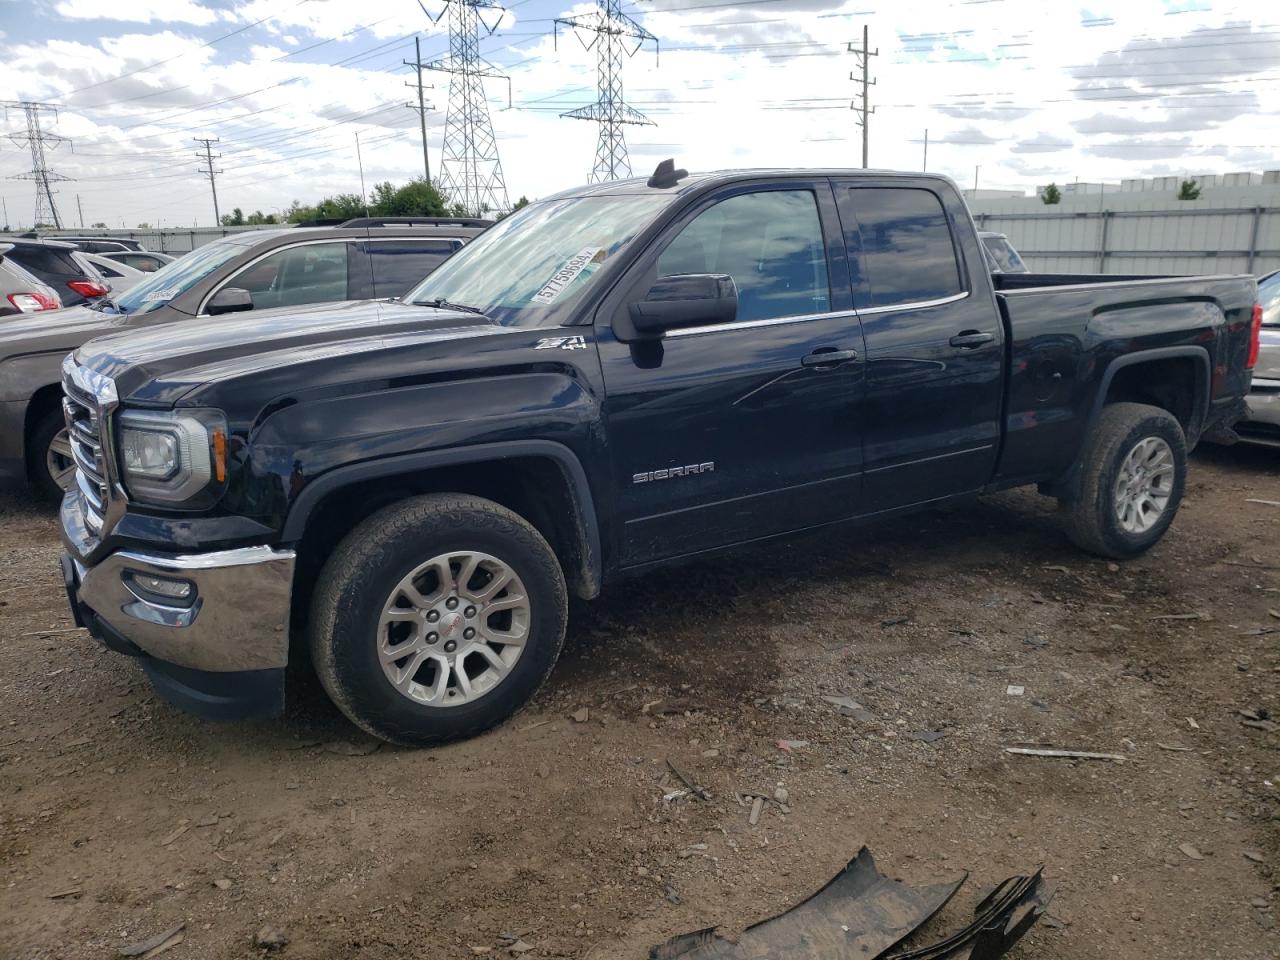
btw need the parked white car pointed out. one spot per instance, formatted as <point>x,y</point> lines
<point>121,276</point>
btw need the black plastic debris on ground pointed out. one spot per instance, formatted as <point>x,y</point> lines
<point>863,915</point>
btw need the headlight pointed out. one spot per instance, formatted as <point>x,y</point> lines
<point>171,457</point>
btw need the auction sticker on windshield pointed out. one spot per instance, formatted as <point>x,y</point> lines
<point>160,295</point>
<point>567,274</point>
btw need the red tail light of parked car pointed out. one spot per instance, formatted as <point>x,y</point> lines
<point>33,302</point>
<point>1255,337</point>
<point>89,288</point>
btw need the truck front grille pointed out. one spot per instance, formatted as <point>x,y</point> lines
<point>86,448</point>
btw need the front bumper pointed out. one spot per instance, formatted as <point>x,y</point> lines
<point>230,644</point>
<point>1263,425</point>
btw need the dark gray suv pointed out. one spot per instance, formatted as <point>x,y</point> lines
<point>257,270</point>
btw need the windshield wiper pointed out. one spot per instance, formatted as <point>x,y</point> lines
<point>441,304</point>
<point>106,304</point>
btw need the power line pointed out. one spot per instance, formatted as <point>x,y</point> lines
<point>209,172</point>
<point>160,63</point>
<point>614,35</point>
<point>36,138</point>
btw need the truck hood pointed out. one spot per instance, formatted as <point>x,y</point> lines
<point>61,330</point>
<point>160,363</point>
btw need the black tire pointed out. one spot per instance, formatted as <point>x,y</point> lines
<point>46,430</point>
<point>1092,521</point>
<point>361,574</point>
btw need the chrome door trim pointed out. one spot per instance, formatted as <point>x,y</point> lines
<point>853,313</point>
<point>747,324</point>
<point>913,305</point>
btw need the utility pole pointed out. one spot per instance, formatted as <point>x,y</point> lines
<point>470,169</point>
<point>80,210</point>
<point>209,172</point>
<point>614,35</point>
<point>925,166</point>
<point>6,212</point>
<point>421,108</point>
<point>36,138</point>
<point>864,55</point>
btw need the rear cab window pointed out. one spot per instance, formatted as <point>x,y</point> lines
<point>54,261</point>
<point>396,265</point>
<point>901,249</point>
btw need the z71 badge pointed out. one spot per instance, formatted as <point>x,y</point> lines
<point>670,473</point>
<point>563,343</point>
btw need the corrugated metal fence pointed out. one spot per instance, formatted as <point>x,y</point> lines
<point>1182,240</point>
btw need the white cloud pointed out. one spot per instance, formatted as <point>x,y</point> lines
<point>138,11</point>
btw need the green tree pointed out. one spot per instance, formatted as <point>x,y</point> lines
<point>143,226</point>
<point>344,206</point>
<point>99,226</point>
<point>233,219</point>
<point>1189,190</point>
<point>1051,194</point>
<point>417,198</point>
<point>258,217</point>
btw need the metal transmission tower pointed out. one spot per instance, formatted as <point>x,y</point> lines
<point>470,170</point>
<point>206,159</point>
<point>864,55</point>
<point>36,138</point>
<point>616,36</point>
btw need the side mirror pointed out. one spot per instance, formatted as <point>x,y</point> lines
<point>685,300</point>
<point>229,300</point>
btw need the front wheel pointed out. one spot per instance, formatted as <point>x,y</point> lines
<point>436,618</point>
<point>1135,471</point>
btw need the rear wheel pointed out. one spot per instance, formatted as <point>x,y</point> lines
<point>1135,469</point>
<point>437,618</point>
<point>52,468</point>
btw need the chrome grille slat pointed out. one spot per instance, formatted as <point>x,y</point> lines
<point>86,450</point>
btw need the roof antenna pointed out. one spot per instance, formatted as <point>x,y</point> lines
<point>666,175</point>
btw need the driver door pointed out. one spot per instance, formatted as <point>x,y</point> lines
<point>732,432</point>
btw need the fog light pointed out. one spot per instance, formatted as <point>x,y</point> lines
<point>163,590</point>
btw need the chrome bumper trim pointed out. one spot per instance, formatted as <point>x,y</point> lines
<point>239,619</point>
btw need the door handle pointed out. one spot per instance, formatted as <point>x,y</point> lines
<point>827,357</point>
<point>968,339</point>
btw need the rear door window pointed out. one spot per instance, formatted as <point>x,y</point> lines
<point>900,246</point>
<point>393,267</point>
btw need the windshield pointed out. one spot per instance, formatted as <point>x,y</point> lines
<point>1002,252</point>
<point>1269,297</point>
<point>529,268</point>
<point>178,277</point>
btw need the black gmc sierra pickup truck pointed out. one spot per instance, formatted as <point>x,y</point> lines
<point>618,377</point>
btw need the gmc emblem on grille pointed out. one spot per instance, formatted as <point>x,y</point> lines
<point>670,473</point>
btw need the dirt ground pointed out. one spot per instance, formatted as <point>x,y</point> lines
<point>121,818</point>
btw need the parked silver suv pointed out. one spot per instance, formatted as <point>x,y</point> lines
<point>358,260</point>
<point>1263,425</point>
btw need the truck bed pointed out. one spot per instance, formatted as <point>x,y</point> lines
<point>1070,336</point>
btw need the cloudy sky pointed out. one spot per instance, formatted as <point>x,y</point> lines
<point>1031,92</point>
